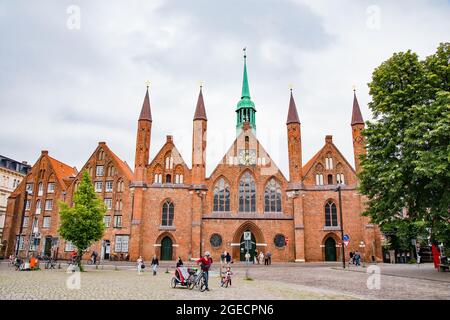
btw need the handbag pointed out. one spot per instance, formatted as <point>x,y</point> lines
<point>143,266</point>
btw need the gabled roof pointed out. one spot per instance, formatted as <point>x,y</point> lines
<point>169,140</point>
<point>119,164</point>
<point>308,166</point>
<point>63,173</point>
<point>122,165</point>
<point>262,151</point>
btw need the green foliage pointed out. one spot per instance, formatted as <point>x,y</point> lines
<point>407,165</point>
<point>83,224</point>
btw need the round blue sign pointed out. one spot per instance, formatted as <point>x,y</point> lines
<point>346,237</point>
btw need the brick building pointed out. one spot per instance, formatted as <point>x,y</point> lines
<point>163,207</point>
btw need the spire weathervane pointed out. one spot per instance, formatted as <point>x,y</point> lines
<point>245,52</point>
<point>354,88</point>
<point>147,83</point>
<point>291,86</point>
<point>200,84</point>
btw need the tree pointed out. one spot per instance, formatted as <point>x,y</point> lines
<point>83,224</point>
<point>406,172</point>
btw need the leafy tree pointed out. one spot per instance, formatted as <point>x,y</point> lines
<point>406,172</point>
<point>83,224</point>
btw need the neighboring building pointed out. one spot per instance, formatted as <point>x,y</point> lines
<point>11,174</point>
<point>166,208</point>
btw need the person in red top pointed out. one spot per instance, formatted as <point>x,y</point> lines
<point>73,255</point>
<point>205,265</point>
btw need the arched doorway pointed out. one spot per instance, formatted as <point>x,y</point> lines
<point>256,243</point>
<point>247,246</point>
<point>330,249</point>
<point>166,248</point>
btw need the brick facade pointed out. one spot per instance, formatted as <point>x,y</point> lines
<point>171,210</point>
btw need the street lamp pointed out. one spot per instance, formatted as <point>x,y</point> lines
<point>338,189</point>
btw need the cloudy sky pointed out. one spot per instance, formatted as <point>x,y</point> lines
<point>72,73</point>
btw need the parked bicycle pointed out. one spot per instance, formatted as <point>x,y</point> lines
<point>199,281</point>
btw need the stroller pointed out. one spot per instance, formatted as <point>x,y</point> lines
<point>184,277</point>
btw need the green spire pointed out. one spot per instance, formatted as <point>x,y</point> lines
<point>245,110</point>
<point>245,89</point>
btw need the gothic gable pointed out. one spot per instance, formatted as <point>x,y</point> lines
<point>168,166</point>
<point>328,167</point>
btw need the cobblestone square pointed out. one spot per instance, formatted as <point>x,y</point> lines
<point>278,281</point>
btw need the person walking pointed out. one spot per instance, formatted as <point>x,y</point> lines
<point>357,258</point>
<point>155,264</point>
<point>94,256</point>
<point>266,259</point>
<point>269,256</point>
<point>179,262</point>
<point>261,257</point>
<point>139,262</point>
<point>222,257</point>
<point>255,258</point>
<point>205,265</point>
<point>228,258</point>
<point>247,258</point>
<point>351,258</point>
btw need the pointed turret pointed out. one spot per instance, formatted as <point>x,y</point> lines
<point>245,111</point>
<point>200,113</point>
<point>143,140</point>
<point>294,146</point>
<point>199,143</point>
<point>358,139</point>
<point>292,113</point>
<point>146,112</point>
<point>356,114</point>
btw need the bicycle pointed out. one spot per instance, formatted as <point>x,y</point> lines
<point>91,261</point>
<point>199,281</point>
<point>50,263</point>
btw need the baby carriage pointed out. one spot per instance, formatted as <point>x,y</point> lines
<point>183,276</point>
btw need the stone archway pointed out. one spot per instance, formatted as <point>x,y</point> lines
<point>257,240</point>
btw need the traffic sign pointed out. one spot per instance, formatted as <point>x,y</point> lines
<point>346,237</point>
<point>346,242</point>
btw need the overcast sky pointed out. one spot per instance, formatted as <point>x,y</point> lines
<point>72,73</point>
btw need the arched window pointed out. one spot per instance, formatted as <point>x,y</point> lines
<point>167,214</point>
<point>272,196</point>
<point>221,196</point>
<point>168,178</point>
<point>329,162</point>
<point>111,171</point>
<point>319,179</point>
<point>169,161</point>
<point>40,189</point>
<point>120,186</point>
<point>38,207</point>
<point>331,214</point>
<point>101,155</point>
<point>247,193</point>
<point>340,178</point>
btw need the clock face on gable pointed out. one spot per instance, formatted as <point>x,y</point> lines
<point>247,157</point>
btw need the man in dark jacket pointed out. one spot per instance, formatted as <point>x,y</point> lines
<point>205,264</point>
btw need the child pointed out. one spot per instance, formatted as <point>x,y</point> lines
<point>227,278</point>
